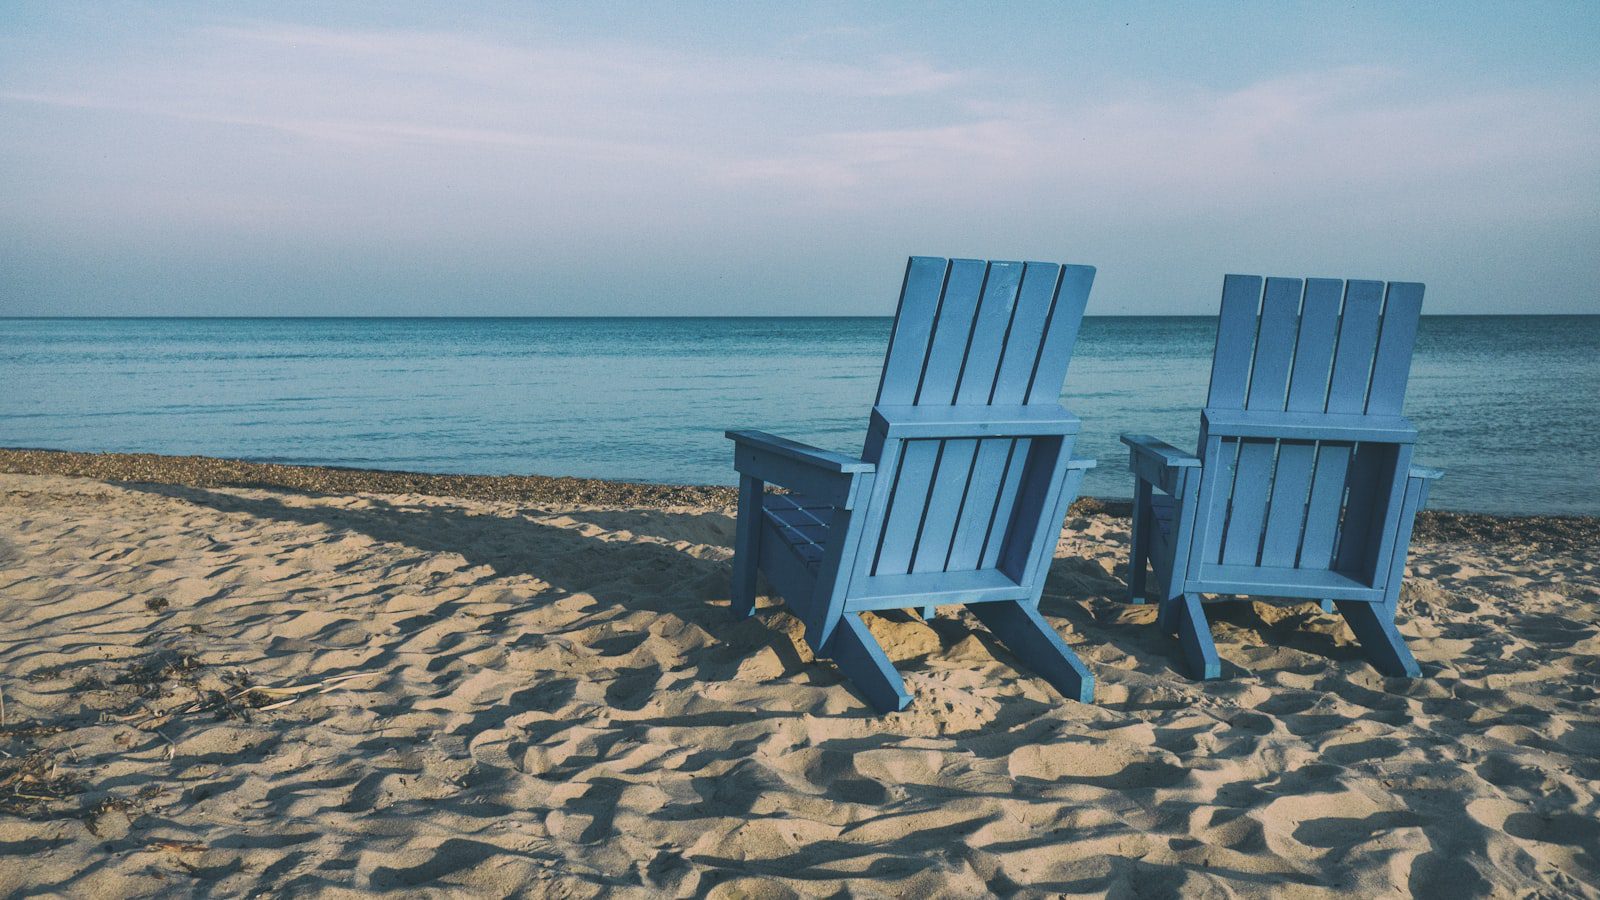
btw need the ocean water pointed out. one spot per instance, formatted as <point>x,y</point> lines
<point>1509,406</point>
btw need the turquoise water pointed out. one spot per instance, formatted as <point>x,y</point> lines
<point>1506,404</point>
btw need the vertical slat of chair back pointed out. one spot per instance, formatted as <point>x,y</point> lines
<point>1358,336</point>
<point>1313,357</point>
<point>1236,341</point>
<point>1391,369</point>
<point>1061,335</point>
<point>1285,530</point>
<point>913,327</point>
<point>940,469</point>
<point>1276,330</point>
<point>970,333</point>
<point>1315,346</point>
<point>1376,479</point>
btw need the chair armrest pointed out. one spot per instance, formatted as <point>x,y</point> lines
<point>1143,445</point>
<point>832,478</point>
<point>1418,481</point>
<point>795,451</point>
<point>1157,462</point>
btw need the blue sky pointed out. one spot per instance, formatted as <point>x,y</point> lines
<point>784,159</point>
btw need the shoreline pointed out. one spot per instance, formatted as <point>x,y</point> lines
<point>1556,533</point>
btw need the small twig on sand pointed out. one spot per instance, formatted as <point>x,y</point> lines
<point>177,847</point>
<point>2,707</point>
<point>323,686</point>
<point>172,749</point>
<point>283,696</point>
<point>256,697</point>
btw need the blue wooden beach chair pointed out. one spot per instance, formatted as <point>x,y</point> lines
<point>1302,486</point>
<point>960,492</point>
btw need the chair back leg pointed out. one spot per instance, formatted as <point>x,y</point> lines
<point>863,662</point>
<point>1373,624</point>
<point>1025,633</point>
<point>1194,634</point>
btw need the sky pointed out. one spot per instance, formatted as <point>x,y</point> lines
<point>785,159</point>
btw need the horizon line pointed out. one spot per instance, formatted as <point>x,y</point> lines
<point>686,317</point>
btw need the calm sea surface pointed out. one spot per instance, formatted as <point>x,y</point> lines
<point>1509,406</point>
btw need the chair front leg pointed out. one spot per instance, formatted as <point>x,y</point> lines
<point>1139,545</point>
<point>747,546</point>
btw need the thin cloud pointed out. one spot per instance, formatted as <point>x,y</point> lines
<point>1308,135</point>
<point>602,68</point>
<point>620,102</point>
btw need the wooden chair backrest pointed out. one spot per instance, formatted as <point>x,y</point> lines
<point>968,333</point>
<point>1312,348</point>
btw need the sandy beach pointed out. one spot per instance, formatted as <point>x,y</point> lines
<point>222,678</point>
